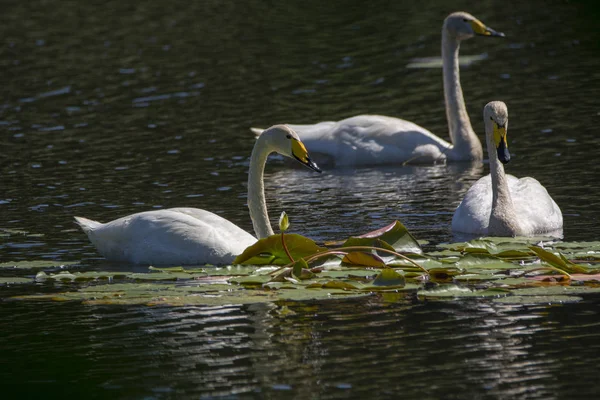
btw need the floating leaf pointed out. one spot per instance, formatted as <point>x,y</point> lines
<point>389,278</point>
<point>443,275</point>
<point>11,280</point>
<point>37,264</point>
<point>270,250</point>
<point>338,285</point>
<point>364,259</point>
<point>300,270</point>
<point>453,291</point>
<point>559,261</point>
<point>537,299</point>
<point>395,234</point>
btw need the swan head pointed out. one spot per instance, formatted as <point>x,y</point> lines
<point>462,25</point>
<point>495,118</point>
<point>285,141</point>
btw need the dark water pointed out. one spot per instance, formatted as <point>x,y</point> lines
<point>109,108</point>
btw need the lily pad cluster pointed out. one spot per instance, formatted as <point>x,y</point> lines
<point>388,264</point>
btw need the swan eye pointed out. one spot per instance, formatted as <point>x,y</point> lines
<point>288,136</point>
<point>492,118</point>
<point>465,20</point>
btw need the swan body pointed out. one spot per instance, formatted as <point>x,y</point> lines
<point>377,139</point>
<point>500,204</point>
<point>184,236</point>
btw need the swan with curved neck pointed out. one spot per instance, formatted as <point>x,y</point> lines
<point>377,139</point>
<point>500,204</point>
<point>180,236</point>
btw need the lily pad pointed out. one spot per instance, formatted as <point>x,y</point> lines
<point>36,264</point>
<point>11,280</point>
<point>558,261</point>
<point>395,234</point>
<point>270,250</point>
<point>363,259</point>
<point>538,299</point>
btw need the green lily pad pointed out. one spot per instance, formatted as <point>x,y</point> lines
<point>270,250</point>
<point>364,259</point>
<point>36,264</point>
<point>453,291</point>
<point>395,234</point>
<point>558,261</point>
<point>12,280</point>
<point>537,299</point>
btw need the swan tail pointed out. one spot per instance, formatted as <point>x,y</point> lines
<point>87,224</point>
<point>257,131</point>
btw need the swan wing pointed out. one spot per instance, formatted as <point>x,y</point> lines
<point>169,237</point>
<point>473,213</point>
<point>536,210</point>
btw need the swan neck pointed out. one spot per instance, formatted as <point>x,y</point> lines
<point>256,189</point>
<point>503,218</point>
<point>466,144</point>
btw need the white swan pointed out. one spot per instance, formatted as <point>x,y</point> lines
<point>178,236</point>
<point>377,139</point>
<point>502,205</point>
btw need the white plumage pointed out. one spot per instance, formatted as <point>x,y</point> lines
<point>503,205</point>
<point>376,139</point>
<point>180,236</point>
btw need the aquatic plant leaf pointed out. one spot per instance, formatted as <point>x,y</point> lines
<point>481,260</point>
<point>555,290</point>
<point>559,261</point>
<point>388,277</point>
<point>300,270</point>
<point>250,280</point>
<point>395,234</point>
<point>318,294</point>
<point>363,259</point>
<point>443,275</point>
<point>349,273</point>
<point>585,277</point>
<point>537,299</point>
<point>454,291</point>
<point>338,285</point>
<point>36,264</point>
<point>270,250</point>
<point>12,280</point>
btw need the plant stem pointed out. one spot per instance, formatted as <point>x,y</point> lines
<point>342,250</point>
<point>286,249</point>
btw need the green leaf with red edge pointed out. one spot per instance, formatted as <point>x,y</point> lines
<point>395,234</point>
<point>270,250</point>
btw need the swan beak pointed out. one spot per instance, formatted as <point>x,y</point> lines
<point>501,144</point>
<point>481,30</point>
<point>301,154</point>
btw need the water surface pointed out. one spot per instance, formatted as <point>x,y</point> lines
<point>110,108</point>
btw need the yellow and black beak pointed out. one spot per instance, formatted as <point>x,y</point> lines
<point>481,30</point>
<point>501,143</point>
<point>301,154</point>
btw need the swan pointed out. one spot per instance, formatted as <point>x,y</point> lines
<point>179,236</point>
<point>377,139</point>
<point>503,205</point>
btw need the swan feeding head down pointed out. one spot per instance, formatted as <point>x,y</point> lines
<point>379,139</point>
<point>184,236</point>
<point>500,204</point>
